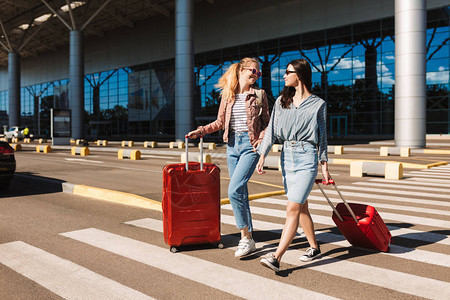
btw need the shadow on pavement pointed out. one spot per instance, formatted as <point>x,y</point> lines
<point>25,184</point>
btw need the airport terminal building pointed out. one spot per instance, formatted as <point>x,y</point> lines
<point>148,69</point>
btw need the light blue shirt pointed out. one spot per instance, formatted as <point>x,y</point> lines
<point>307,122</point>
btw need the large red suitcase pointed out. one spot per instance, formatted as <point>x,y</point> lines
<point>360,224</point>
<point>191,203</point>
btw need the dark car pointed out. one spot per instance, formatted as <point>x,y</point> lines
<point>7,164</point>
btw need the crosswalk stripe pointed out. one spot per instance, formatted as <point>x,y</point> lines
<point>429,237</point>
<point>429,171</point>
<point>422,175</point>
<point>402,282</point>
<point>62,277</point>
<point>323,237</point>
<point>395,192</point>
<point>406,186</point>
<point>388,216</point>
<point>432,170</point>
<point>404,252</point>
<point>387,197</point>
<point>380,206</point>
<point>420,179</point>
<point>406,183</point>
<point>235,282</point>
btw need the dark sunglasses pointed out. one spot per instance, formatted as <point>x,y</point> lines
<point>289,72</point>
<point>254,71</point>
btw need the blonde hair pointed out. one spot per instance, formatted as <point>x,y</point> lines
<point>229,81</point>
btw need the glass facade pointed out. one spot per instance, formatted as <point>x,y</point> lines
<point>353,70</point>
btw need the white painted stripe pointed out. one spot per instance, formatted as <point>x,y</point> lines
<point>428,180</point>
<point>229,280</point>
<point>323,237</point>
<point>441,168</point>
<point>156,156</point>
<point>422,175</point>
<point>397,217</point>
<point>418,255</point>
<point>84,160</point>
<point>408,182</point>
<point>408,187</point>
<point>387,197</point>
<point>398,281</point>
<point>431,172</point>
<point>62,277</point>
<point>395,192</point>
<point>379,206</point>
<point>407,233</point>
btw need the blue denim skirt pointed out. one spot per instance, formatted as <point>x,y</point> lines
<point>299,163</point>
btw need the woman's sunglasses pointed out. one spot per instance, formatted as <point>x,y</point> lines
<point>289,72</point>
<point>254,71</point>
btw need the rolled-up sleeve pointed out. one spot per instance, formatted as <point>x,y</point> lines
<point>270,133</point>
<point>322,127</point>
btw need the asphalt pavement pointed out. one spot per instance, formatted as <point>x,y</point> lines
<point>56,244</point>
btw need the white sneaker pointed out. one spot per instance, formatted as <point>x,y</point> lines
<point>245,247</point>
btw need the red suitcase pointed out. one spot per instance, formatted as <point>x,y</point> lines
<point>360,224</point>
<point>191,203</point>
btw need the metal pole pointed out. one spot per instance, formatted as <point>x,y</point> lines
<point>184,67</point>
<point>76,84</point>
<point>410,73</point>
<point>14,88</point>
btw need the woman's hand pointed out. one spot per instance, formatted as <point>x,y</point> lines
<point>194,134</point>
<point>260,165</point>
<point>325,173</point>
<point>256,145</point>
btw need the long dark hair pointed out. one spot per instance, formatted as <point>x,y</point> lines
<point>304,73</point>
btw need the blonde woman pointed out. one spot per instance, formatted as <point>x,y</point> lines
<point>244,115</point>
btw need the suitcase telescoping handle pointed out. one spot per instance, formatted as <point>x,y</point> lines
<point>333,183</point>
<point>187,152</point>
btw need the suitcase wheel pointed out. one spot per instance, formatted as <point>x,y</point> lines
<point>220,245</point>
<point>173,249</point>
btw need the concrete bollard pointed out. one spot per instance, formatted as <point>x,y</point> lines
<point>171,145</point>
<point>27,140</point>
<point>150,144</point>
<point>277,148</point>
<point>41,141</point>
<point>402,151</point>
<point>389,170</point>
<point>210,146</point>
<point>131,154</point>
<point>181,145</point>
<point>393,171</point>
<point>82,151</point>
<point>102,143</point>
<point>72,141</point>
<point>15,140</point>
<point>273,162</point>
<point>405,152</point>
<point>206,158</point>
<point>43,149</point>
<point>338,150</point>
<point>127,143</point>
<point>16,147</point>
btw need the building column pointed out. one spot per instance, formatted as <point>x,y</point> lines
<point>14,88</point>
<point>184,68</point>
<point>410,73</point>
<point>76,83</point>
